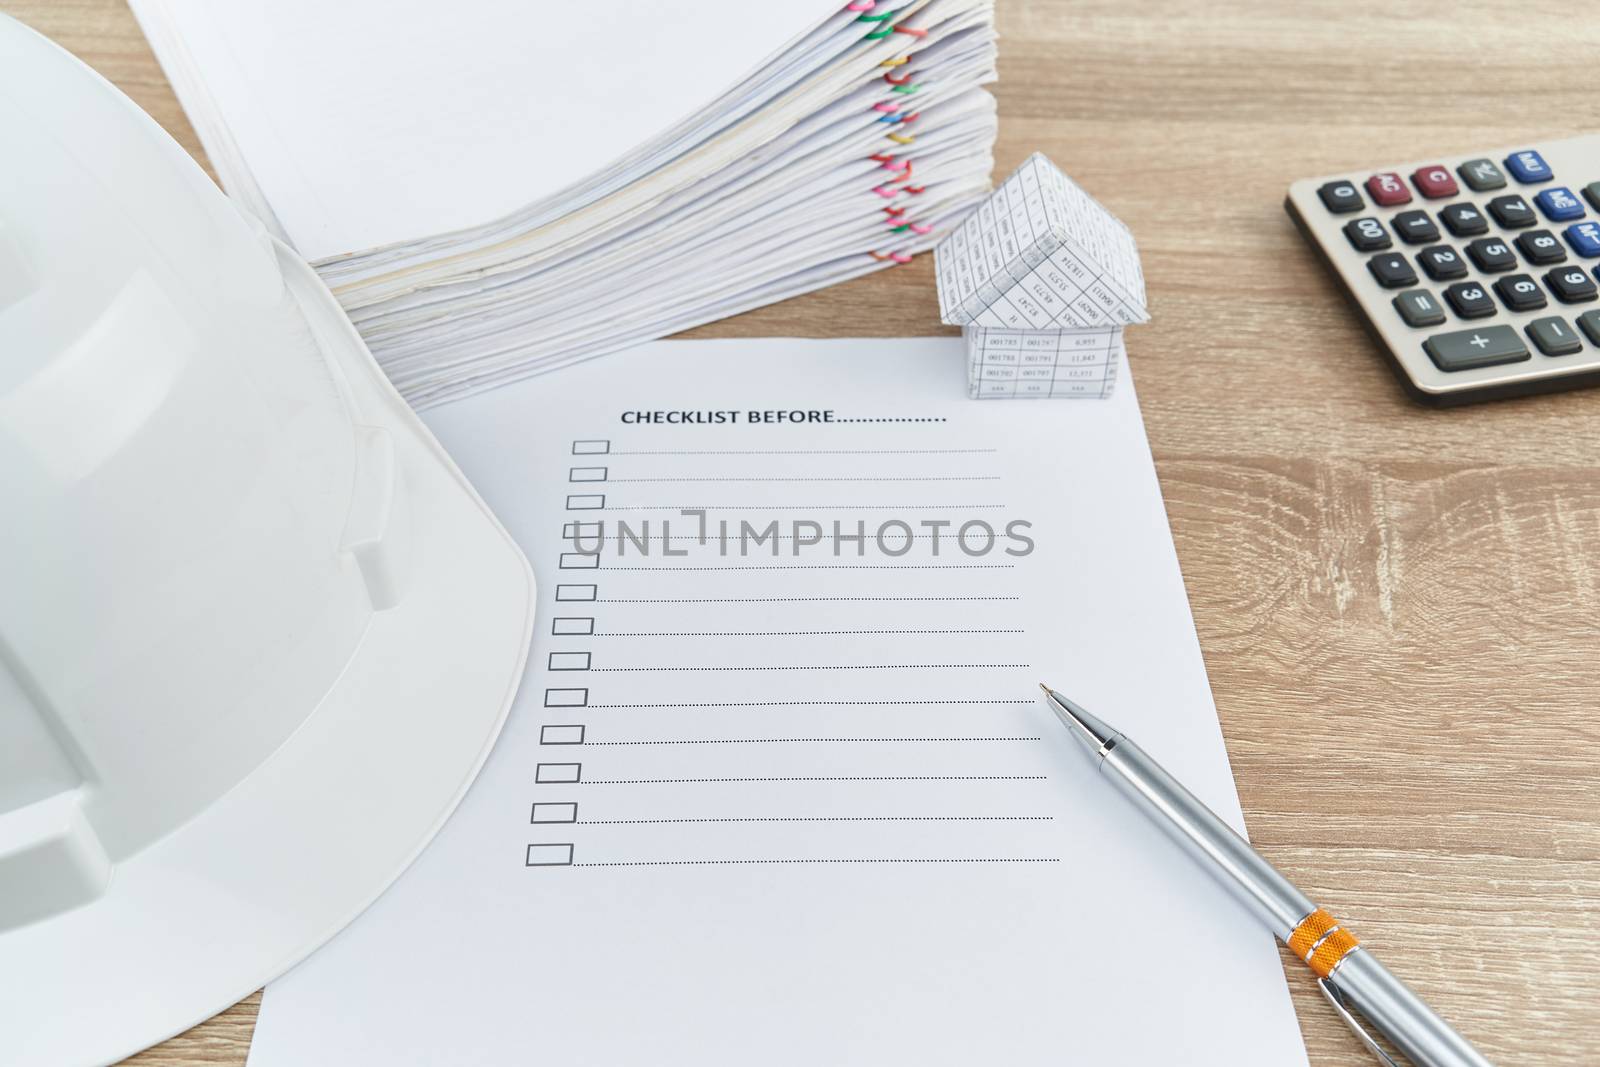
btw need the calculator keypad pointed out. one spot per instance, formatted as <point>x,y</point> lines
<point>1584,237</point>
<point>1388,190</point>
<point>1419,308</point>
<point>1392,271</point>
<point>1367,235</point>
<point>1518,292</point>
<point>1415,227</point>
<point>1442,263</point>
<point>1572,285</point>
<point>1540,248</point>
<point>1482,347</point>
<point>1554,336</point>
<point>1512,212</point>
<point>1341,198</point>
<point>1464,220</point>
<point>1559,205</point>
<point>1434,182</point>
<point>1481,175</point>
<point>1492,255</point>
<point>1469,300</point>
<point>1475,253</point>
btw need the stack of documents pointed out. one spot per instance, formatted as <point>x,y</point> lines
<point>494,188</point>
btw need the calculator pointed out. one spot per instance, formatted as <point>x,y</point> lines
<point>1478,276</point>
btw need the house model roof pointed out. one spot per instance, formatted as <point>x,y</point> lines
<point>1040,254</point>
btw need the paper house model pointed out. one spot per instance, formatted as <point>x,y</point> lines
<point>1042,278</point>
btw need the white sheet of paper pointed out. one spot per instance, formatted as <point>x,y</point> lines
<point>803,808</point>
<point>364,126</point>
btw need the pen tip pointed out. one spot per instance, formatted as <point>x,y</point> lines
<point>1046,688</point>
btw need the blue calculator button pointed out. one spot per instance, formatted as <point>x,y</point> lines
<point>1584,237</point>
<point>1528,166</point>
<point>1559,205</point>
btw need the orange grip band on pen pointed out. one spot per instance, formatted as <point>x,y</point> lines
<point>1321,942</point>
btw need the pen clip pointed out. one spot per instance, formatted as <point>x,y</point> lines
<point>1342,1006</point>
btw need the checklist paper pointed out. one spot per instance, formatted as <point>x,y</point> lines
<point>778,787</point>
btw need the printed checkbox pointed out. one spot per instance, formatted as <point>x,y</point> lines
<point>590,448</point>
<point>566,698</point>
<point>569,661</point>
<point>577,592</point>
<point>555,813</point>
<point>561,735</point>
<point>558,773</point>
<point>572,626</point>
<point>586,501</point>
<point>549,855</point>
<point>586,474</point>
<point>580,561</point>
<point>583,531</point>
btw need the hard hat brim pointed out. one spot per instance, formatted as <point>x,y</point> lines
<point>303,844</point>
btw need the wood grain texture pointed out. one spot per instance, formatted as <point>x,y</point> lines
<point>1398,606</point>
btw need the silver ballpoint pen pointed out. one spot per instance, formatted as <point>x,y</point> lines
<point>1349,976</point>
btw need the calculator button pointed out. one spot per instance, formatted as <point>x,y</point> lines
<point>1442,263</point>
<point>1512,212</point>
<point>1392,271</point>
<point>1492,255</point>
<point>1481,175</point>
<point>1341,198</point>
<point>1470,300</point>
<point>1415,227</point>
<point>1591,193</point>
<point>1464,220</point>
<point>1589,323</point>
<point>1528,166</point>
<point>1571,285</point>
<point>1541,248</point>
<point>1584,237</point>
<point>1553,336</point>
<point>1559,205</point>
<point>1434,182</point>
<point>1518,292</point>
<point>1367,235</point>
<point>1387,190</point>
<point>1418,307</point>
<point>1483,347</point>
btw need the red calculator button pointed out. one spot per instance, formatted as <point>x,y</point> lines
<point>1388,190</point>
<point>1434,182</point>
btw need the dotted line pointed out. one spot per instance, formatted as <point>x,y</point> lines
<point>723,863</point>
<point>891,419</point>
<point>807,740</point>
<point>809,452</point>
<point>786,633</point>
<point>810,703</point>
<point>829,567</point>
<point>814,667</point>
<point>930,478</point>
<point>781,599</point>
<point>852,778</point>
<point>829,818</point>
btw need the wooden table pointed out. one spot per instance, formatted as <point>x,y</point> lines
<point>1398,606</point>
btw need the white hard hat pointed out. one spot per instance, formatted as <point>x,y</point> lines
<point>257,632</point>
